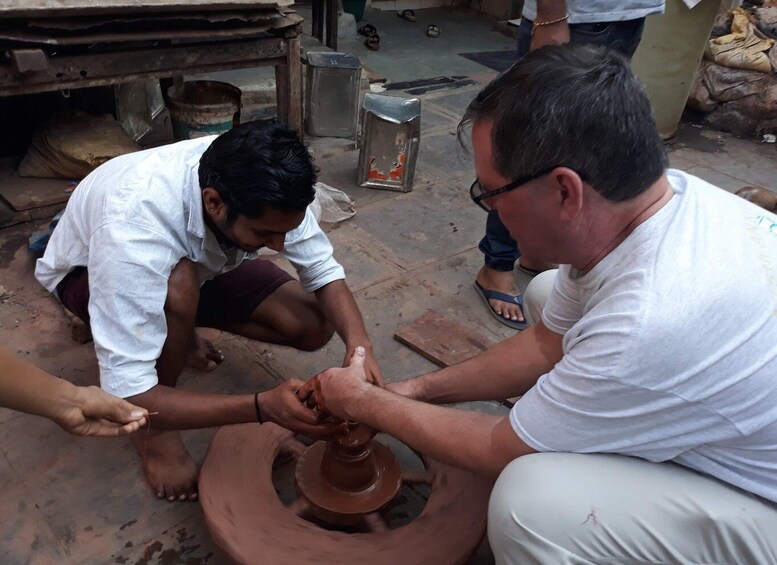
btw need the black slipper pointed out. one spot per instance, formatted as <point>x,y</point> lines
<point>372,42</point>
<point>407,15</point>
<point>367,30</point>
<point>432,30</point>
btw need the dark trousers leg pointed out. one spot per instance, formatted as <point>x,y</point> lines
<point>498,247</point>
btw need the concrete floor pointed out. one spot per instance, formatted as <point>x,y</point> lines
<point>73,500</point>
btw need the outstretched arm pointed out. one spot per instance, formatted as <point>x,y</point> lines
<point>340,308</point>
<point>178,409</point>
<point>508,369</point>
<point>482,443</point>
<point>311,253</point>
<point>86,411</point>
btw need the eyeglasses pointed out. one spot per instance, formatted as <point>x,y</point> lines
<point>481,197</point>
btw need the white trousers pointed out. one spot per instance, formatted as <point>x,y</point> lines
<point>536,295</point>
<point>566,508</point>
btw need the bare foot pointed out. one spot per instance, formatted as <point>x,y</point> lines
<point>204,356</point>
<point>501,281</point>
<point>169,469</point>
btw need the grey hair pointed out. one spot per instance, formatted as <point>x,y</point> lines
<point>576,106</point>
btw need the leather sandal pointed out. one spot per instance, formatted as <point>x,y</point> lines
<point>367,30</point>
<point>407,15</point>
<point>372,42</point>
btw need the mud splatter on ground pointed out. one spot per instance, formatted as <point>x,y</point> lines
<point>172,556</point>
<point>10,243</point>
<point>128,524</point>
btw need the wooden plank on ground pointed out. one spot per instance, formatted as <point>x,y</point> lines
<point>373,76</point>
<point>443,341</point>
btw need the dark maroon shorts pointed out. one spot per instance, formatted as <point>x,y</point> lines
<point>231,297</point>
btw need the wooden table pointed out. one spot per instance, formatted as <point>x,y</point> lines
<point>31,71</point>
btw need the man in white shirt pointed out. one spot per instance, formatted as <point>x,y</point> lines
<point>157,242</point>
<point>646,431</point>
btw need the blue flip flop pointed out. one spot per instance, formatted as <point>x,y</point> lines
<point>487,295</point>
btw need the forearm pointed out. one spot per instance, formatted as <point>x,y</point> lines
<point>482,443</point>
<point>26,388</point>
<point>341,310</point>
<point>172,408</point>
<point>508,369</point>
<point>549,10</point>
<point>551,26</point>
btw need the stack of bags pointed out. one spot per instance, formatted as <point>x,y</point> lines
<point>737,81</point>
<point>71,145</point>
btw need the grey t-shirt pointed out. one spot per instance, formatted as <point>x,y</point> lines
<point>594,11</point>
<point>670,344</point>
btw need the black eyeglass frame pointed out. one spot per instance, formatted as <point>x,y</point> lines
<point>506,188</point>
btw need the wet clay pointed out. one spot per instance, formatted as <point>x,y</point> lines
<point>250,523</point>
<point>349,477</point>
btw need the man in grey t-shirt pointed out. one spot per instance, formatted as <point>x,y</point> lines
<point>647,425</point>
<point>616,24</point>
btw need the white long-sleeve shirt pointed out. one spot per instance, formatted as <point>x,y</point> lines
<point>130,222</point>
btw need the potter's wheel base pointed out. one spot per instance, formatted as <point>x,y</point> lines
<point>251,524</point>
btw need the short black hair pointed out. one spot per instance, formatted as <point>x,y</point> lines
<point>577,106</point>
<point>259,164</point>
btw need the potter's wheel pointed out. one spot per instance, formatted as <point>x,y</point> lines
<point>250,523</point>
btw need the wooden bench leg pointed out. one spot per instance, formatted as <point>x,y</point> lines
<point>331,24</point>
<point>318,20</point>
<point>288,86</point>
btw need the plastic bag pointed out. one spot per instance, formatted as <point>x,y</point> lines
<point>331,205</point>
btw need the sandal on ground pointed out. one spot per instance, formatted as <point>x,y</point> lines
<point>487,295</point>
<point>372,42</point>
<point>367,30</point>
<point>432,30</point>
<point>407,15</point>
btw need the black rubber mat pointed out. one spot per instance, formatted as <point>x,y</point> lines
<point>496,60</point>
<point>424,85</point>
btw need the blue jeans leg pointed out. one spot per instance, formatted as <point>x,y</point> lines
<point>623,37</point>
<point>499,248</point>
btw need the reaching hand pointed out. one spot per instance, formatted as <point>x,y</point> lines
<point>553,34</point>
<point>334,390</point>
<point>282,406</point>
<point>94,412</point>
<point>371,368</point>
